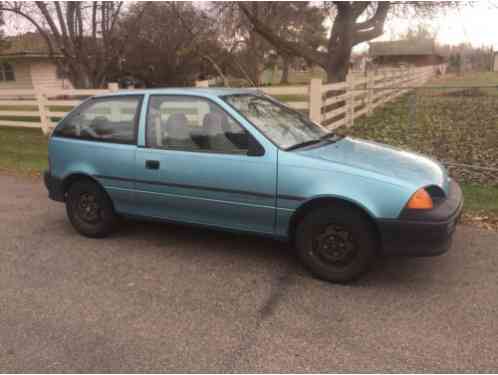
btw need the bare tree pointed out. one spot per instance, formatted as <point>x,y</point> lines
<point>353,23</point>
<point>83,38</point>
<point>177,43</point>
<point>248,48</point>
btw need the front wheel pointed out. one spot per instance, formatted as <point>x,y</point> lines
<point>336,243</point>
<point>89,209</point>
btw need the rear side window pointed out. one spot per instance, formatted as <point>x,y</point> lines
<point>112,119</point>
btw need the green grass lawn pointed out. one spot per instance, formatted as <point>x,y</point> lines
<point>481,198</point>
<point>23,150</point>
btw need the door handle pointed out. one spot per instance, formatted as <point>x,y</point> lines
<point>152,164</point>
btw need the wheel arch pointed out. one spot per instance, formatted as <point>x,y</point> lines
<point>68,180</point>
<point>320,201</point>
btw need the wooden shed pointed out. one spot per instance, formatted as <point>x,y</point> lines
<point>413,52</point>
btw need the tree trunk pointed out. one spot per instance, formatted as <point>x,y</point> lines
<point>285,70</point>
<point>339,53</point>
<point>255,54</point>
<point>340,45</point>
<point>338,67</point>
<point>253,67</point>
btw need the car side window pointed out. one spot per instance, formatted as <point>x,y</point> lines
<point>193,124</point>
<point>112,119</point>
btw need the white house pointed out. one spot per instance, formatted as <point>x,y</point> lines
<point>25,64</point>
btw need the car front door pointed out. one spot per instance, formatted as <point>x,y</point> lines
<point>200,165</point>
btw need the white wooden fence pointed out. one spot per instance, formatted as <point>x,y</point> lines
<point>338,104</point>
<point>333,105</point>
<point>41,109</point>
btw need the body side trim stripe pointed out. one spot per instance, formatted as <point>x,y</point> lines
<point>206,188</point>
<point>172,184</point>
<point>291,197</point>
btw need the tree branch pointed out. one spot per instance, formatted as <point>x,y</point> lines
<point>115,16</point>
<point>68,43</point>
<point>38,27</point>
<point>359,7</point>
<point>291,48</point>
<point>94,22</point>
<point>70,18</point>
<point>46,14</point>
<point>373,27</point>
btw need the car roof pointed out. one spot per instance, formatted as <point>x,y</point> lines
<point>198,91</point>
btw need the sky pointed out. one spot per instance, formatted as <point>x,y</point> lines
<point>477,24</point>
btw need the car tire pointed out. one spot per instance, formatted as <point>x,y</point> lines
<point>337,243</point>
<point>89,209</point>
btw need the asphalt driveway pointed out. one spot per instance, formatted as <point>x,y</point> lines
<point>170,298</point>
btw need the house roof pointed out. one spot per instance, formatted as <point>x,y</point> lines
<point>403,48</point>
<point>25,45</point>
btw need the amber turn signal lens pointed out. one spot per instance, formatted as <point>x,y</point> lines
<point>421,200</point>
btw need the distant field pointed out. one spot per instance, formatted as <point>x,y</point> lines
<point>467,79</point>
<point>484,83</point>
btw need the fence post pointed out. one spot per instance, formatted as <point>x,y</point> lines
<point>349,100</point>
<point>202,83</point>
<point>113,86</point>
<point>42,109</point>
<point>370,91</point>
<point>115,110</point>
<point>315,100</point>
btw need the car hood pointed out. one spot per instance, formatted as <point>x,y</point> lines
<point>400,166</point>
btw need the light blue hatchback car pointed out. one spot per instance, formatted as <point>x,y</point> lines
<point>239,160</point>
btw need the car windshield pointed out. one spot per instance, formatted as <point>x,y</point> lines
<point>285,127</point>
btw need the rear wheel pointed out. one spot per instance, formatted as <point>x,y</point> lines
<point>336,243</point>
<point>89,209</point>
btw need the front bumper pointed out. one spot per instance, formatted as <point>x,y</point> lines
<point>423,233</point>
<point>54,187</point>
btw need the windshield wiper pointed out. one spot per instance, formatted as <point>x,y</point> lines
<point>331,135</point>
<point>303,144</point>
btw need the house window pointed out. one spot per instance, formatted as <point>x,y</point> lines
<point>7,72</point>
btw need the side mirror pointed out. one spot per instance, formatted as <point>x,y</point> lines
<point>254,148</point>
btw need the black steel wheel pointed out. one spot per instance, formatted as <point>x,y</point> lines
<point>89,209</point>
<point>336,243</point>
<point>335,246</point>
